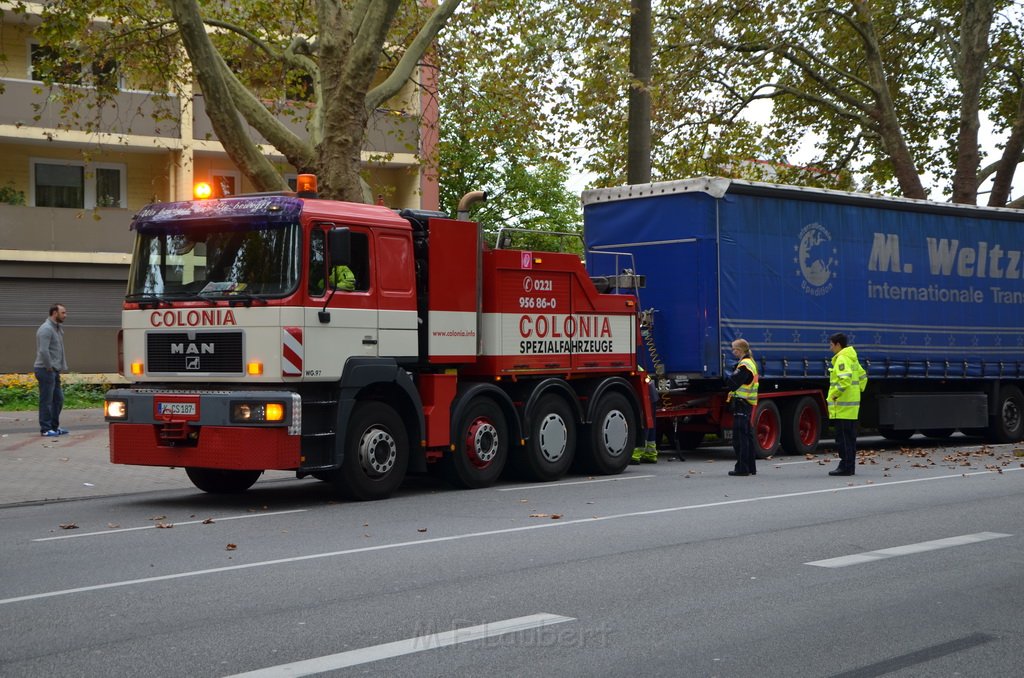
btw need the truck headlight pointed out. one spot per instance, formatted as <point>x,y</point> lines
<point>256,412</point>
<point>115,409</point>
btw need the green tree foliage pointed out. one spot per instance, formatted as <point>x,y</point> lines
<point>890,90</point>
<point>498,130</point>
<point>346,58</point>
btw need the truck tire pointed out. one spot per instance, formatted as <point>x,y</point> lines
<point>801,425</point>
<point>607,442</point>
<point>376,453</point>
<point>767,429</point>
<point>1007,426</point>
<point>222,481</point>
<point>481,446</point>
<point>551,442</point>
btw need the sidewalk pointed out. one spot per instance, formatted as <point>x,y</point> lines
<point>33,468</point>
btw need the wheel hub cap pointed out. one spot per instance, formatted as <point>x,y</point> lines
<point>377,452</point>
<point>553,437</point>
<point>615,431</point>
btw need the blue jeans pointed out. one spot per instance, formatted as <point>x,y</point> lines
<point>51,399</point>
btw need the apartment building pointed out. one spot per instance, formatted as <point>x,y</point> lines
<point>69,186</point>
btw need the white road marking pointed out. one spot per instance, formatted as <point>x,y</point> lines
<point>487,533</point>
<point>398,648</point>
<point>119,530</point>
<point>920,547</point>
<point>572,482</point>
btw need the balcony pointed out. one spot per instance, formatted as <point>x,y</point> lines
<point>145,114</point>
<point>67,230</point>
<point>386,131</point>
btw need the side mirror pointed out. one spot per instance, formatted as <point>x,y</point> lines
<point>339,247</point>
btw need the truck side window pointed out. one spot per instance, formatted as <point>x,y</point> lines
<point>316,263</point>
<point>359,265</point>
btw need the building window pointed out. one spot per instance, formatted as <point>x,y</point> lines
<point>77,185</point>
<point>48,63</point>
<point>224,184</point>
<point>108,187</point>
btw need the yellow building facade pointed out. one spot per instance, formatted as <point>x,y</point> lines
<point>70,182</point>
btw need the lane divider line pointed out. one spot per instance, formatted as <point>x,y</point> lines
<point>365,655</point>
<point>907,549</point>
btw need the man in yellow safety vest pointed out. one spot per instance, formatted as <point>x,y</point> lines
<point>847,380</point>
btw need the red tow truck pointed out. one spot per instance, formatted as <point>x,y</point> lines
<point>243,356</point>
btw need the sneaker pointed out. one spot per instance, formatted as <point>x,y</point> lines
<point>62,431</point>
<point>49,434</point>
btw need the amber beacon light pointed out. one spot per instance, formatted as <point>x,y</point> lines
<point>202,190</point>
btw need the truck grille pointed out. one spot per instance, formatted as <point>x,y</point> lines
<point>200,352</point>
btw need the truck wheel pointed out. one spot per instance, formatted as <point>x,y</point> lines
<point>801,425</point>
<point>1007,426</point>
<point>609,439</point>
<point>221,481</point>
<point>551,444</point>
<point>376,453</point>
<point>767,429</point>
<point>481,446</point>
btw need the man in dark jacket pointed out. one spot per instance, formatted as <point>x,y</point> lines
<point>50,362</point>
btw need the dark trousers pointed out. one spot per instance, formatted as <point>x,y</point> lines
<point>743,442</point>
<point>51,399</point>
<point>846,441</point>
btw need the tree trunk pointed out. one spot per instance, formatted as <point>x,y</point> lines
<point>1002,184</point>
<point>976,21</point>
<point>227,124</point>
<point>638,160</point>
<point>889,127</point>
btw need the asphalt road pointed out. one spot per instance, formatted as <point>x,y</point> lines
<point>910,568</point>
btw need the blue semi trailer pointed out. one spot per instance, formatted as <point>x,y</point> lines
<point>930,294</point>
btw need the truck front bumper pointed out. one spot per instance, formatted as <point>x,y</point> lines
<point>234,430</point>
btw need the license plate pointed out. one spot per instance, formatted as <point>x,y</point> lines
<point>181,409</point>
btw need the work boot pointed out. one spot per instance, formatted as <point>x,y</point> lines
<point>638,453</point>
<point>649,454</point>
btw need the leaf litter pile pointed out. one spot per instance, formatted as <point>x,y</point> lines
<point>975,458</point>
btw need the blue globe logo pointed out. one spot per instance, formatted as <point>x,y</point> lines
<point>816,255</point>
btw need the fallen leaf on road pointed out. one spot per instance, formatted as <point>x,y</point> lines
<point>231,547</point>
<point>164,526</point>
<point>113,526</point>
<point>208,521</point>
<point>421,529</point>
<point>556,516</point>
<point>158,517</point>
<point>539,515</point>
<point>69,526</point>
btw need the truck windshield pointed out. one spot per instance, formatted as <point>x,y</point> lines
<point>215,260</point>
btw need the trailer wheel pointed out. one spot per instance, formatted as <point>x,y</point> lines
<point>221,481</point>
<point>608,441</point>
<point>481,446</point>
<point>801,425</point>
<point>551,444</point>
<point>767,429</point>
<point>376,453</point>
<point>1007,426</point>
